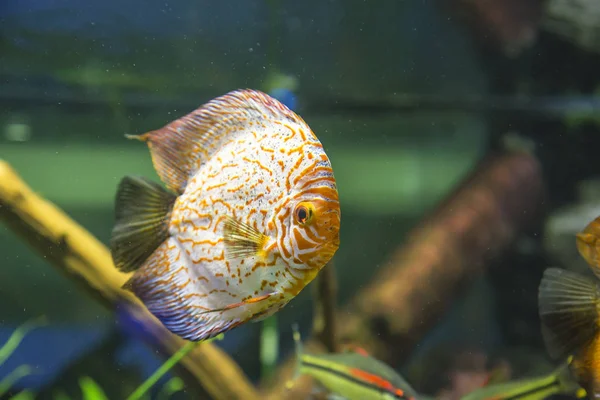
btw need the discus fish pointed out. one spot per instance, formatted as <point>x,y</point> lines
<point>352,375</point>
<point>569,305</point>
<point>254,215</point>
<point>559,381</point>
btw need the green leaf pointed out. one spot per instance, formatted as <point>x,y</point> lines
<point>10,379</point>
<point>174,385</point>
<point>17,337</point>
<point>167,365</point>
<point>269,346</point>
<point>90,389</point>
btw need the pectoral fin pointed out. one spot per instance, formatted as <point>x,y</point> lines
<point>243,240</point>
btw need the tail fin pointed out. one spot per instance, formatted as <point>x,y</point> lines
<point>567,306</point>
<point>142,211</point>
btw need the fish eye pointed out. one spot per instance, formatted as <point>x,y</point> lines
<point>304,213</point>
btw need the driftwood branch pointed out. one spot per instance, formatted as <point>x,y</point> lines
<point>77,253</point>
<point>325,297</point>
<point>409,294</point>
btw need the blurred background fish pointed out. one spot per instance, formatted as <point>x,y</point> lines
<point>560,381</point>
<point>569,305</point>
<point>354,374</point>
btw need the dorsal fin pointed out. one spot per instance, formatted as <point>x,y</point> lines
<point>181,147</point>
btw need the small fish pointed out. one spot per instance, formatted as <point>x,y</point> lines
<point>560,381</point>
<point>569,307</point>
<point>352,375</point>
<point>251,215</point>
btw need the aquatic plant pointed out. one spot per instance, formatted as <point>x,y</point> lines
<point>166,366</point>
<point>269,347</point>
<point>9,348</point>
<point>90,389</point>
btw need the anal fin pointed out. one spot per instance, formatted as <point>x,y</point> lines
<point>169,291</point>
<point>142,210</point>
<point>568,311</point>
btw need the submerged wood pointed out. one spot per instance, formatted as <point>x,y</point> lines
<point>420,280</point>
<point>324,326</point>
<point>511,25</point>
<point>77,253</point>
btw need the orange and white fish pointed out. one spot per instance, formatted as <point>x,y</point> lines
<point>253,218</point>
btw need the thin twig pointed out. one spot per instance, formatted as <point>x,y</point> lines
<point>325,305</point>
